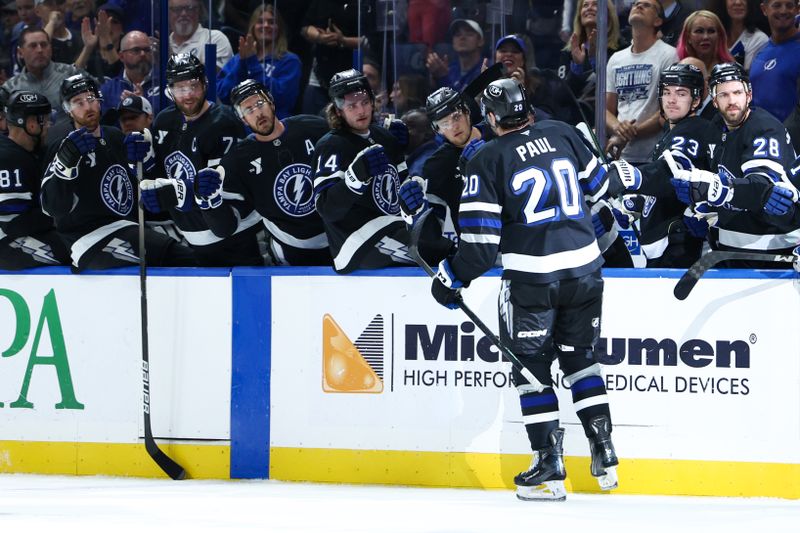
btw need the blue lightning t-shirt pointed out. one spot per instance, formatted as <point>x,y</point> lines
<point>774,76</point>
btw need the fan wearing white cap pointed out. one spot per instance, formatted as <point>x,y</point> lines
<point>467,42</point>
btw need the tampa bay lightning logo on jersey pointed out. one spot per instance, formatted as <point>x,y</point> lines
<point>384,191</point>
<point>179,167</point>
<point>294,190</point>
<point>116,190</point>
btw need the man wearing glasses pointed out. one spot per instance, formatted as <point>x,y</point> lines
<point>188,138</point>
<point>632,114</point>
<point>136,54</point>
<point>270,171</point>
<point>190,37</point>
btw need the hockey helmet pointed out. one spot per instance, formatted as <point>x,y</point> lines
<point>443,102</point>
<point>23,104</point>
<point>245,90</point>
<point>505,98</point>
<point>77,84</point>
<point>348,82</point>
<point>181,67</point>
<point>723,72</point>
<point>680,75</point>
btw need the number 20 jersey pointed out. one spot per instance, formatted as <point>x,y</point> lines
<point>524,193</point>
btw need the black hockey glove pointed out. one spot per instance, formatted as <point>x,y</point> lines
<point>446,287</point>
<point>77,144</point>
<point>368,164</point>
<point>162,193</point>
<point>208,187</point>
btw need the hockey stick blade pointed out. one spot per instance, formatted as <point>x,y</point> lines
<point>413,250</point>
<point>170,467</point>
<point>702,265</point>
<point>476,86</point>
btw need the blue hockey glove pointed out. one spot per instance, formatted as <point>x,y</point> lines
<point>781,200</point>
<point>208,187</point>
<point>629,175</point>
<point>471,148</point>
<point>602,221</point>
<point>139,147</point>
<point>683,190</point>
<point>77,144</point>
<point>704,186</point>
<point>696,225</point>
<point>412,199</point>
<point>368,164</point>
<point>399,131</point>
<point>446,287</point>
<point>161,194</point>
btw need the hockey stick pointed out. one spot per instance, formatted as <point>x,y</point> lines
<point>170,467</point>
<point>701,266</point>
<point>476,86</point>
<point>413,250</point>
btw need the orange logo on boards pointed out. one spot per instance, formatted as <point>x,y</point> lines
<point>349,366</point>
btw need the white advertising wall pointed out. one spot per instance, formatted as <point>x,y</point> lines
<point>714,377</point>
<point>71,364</point>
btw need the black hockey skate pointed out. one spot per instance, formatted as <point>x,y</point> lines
<point>604,458</point>
<point>544,481</point>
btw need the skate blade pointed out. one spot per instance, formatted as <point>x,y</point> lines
<point>609,480</point>
<point>549,491</point>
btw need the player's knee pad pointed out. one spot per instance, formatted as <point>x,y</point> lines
<point>539,365</point>
<point>575,359</point>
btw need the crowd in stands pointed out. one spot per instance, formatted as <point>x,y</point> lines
<point>407,49</point>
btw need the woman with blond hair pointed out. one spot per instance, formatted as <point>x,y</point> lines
<point>263,57</point>
<point>578,58</point>
<point>704,37</point>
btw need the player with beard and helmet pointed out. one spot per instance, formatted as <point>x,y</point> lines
<point>270,172</point>
<point>441,182</point>
<point>748,184</point>
<point>359,167</point>
<point>89,191</point>
<point>27,236</point>
<point>189,136</point>
<point>672,235</point>
<point>525,192</point>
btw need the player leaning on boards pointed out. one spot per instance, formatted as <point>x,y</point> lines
<point>748,184</point>
<point>88,189</point>
<point>526,192</point>
<point>358,172</point>
<point>672,235</point>
<point>441,182</point>
<point>269,171</point>
<point>188,137</point>
<point>27,236</point>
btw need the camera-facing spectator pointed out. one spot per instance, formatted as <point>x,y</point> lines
<point>136,79</point>
<point>743,21</point>
<point>263,56</point>
<point>467,43</point>
<point>704,37</point>
<point>100,53</point>
<point>27,19</point>
<point>188,36</point>
<point>40,73</point>
<point>135,114</point>
<point>775,71</point>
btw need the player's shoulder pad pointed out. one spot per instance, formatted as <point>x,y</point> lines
<point>168,118</point>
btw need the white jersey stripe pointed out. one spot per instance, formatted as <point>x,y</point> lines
<point>553,262</point>
<point>479,206</point>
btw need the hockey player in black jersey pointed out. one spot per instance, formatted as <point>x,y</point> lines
<point>671,235</point>
<point>27,236</point>
<point>269,171</point>
<point>188,137</point>
<point>88,190</point>
<point>4,95</point>
<point>359,167</point>
<point>748,178</point>
<point>525,194</point>
<point>441,182</point>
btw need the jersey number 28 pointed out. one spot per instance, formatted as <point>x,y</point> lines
<point>538,182</point>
